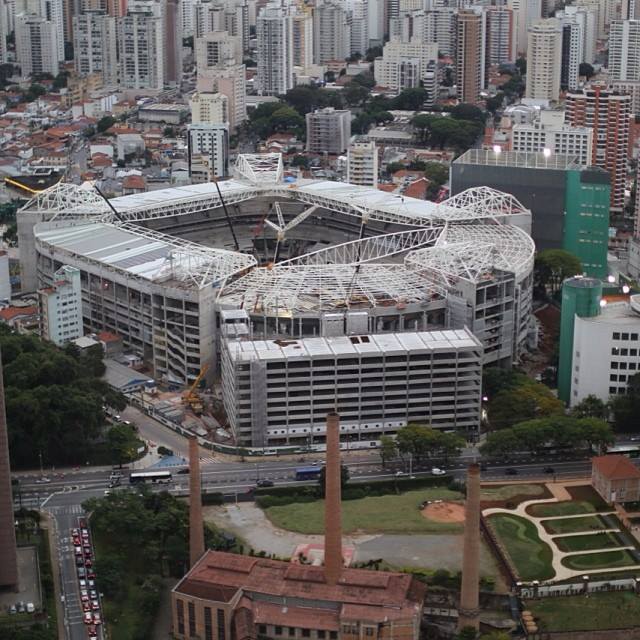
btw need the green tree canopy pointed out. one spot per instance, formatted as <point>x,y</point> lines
<point>553,267</point>
<point>422,441</point>
<point>106,122</point>
<point>590,407</point>
<point>587,70</point>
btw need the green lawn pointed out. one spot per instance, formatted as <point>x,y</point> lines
<point>614,610</point>
<point>506,492</point>
<point>531,556</point>
<point>553,509</point>
<point>381,514</point>
<point>587,542</point>
<point>571,525</point>
<point>619,558</point>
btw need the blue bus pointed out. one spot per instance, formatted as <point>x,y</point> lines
<point>308,473</point>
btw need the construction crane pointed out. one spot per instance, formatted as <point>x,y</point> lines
<point>192,396</point>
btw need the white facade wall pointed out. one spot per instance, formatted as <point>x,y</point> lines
<point>331,33</point>
<point>95,46</point>
<point>61,307</point>
<point>274,33</point>
<point>544,60</point>
<point>404,64</point>
<point>362,164</point>
<point>606,353</point>
<point>624,50</point>
<point>209,108</point>
<point>212,141</point>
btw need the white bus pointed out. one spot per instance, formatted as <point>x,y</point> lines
<point>154,477</point>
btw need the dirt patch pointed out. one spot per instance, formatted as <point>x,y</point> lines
<point>444,512</point>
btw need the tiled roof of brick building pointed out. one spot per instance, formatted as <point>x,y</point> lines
<point>615,467</point>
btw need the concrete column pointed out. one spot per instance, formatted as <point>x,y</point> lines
<point>8,551</point>
<point>332,507</point>
<point>196,525</point>
<point>469,595</point>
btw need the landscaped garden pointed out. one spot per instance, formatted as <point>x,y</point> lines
<point>607,610</point>
<point>395,513</point>
<point>604,560</point>
<point>587,542</point>
<point>558,509</point>
<point>574,525</point>
<point>531,556</point>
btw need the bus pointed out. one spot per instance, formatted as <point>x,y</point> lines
<point>154,477</point>
<point>629,450</point>
<point>308,473</point>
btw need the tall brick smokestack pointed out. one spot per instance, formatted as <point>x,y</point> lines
<point>196,526</point>
<point>8,551</point>
<point>332,503</point>
<point>469,596</point>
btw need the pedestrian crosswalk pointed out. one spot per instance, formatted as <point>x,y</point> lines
<point>71,509</point>
<point>209,460</point>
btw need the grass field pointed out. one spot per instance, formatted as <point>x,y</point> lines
<point>531,556</point>
<point>587,542</point>
<point>607,559</point>
<point>506,492</point>
<point>569,508</point>
<point>383,514</point>
<point>615,610</point>
<point>571,525</point>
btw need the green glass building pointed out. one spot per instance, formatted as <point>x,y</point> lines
<point>580,297</point>
<point>586,223</point>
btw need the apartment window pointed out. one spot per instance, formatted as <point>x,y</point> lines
<point>613,378</point>
<point>322,633</point>
<point>208,627</point>
<point>180,615</point>
<point>615,351</point>
<point>192,618</point>
<point>292,632</point>
<point>262,628</point>
<point>333,635</point>
<point>613,390</point>
<point>623,365</point>
<point>614,365</point>
<point>625,336</point>
<point>221,625</point>
<point>634,336</point>
<point>278,631</point>
<point>368,631</point>
<point>306,633</point>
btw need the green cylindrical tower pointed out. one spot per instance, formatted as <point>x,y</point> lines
<point>580,297</point>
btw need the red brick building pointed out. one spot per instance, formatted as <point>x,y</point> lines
<point>615,478</point>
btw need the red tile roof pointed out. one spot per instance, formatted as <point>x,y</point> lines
<point>134,182</point>
<point>615,467</point>
<point>15,312</point>
<point>107,336</point>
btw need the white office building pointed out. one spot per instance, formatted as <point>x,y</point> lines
<point>525,13</point>
<point>274,34</point>
<point>586,20</point>
<point>141,47</point>
<point>550,131</point>
<point>624,50</point>
<point>303,37</point>
<point>209,108</point>
<point>359,23</point>
<point>544,60</point>
<point>36,45</point>
<point>404,64</point>
<point>95,46</point>
<point>278,392</point>
<point>209,142</point>
<point>50,10</point>
<point>362,163</point>
<point>606,351</point>
<point>61,307</point>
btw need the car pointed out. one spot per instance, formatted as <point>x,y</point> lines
<point>78,550</point>
<point>86,606</point>
<point>76,541</point>
<point>79,561</point>
<point>87,618</point>
<point>30,607</point>
<point>91,574</point>
<point>97,619</point>
<point>93,594</point>
<point>91,583</point>
<point>92,631</point>
<point>95,605</point>
<point>83,584</point>
<point>400,473</point>
<point>13,609</point>
<point>42,480</point>
<point>88,563</point>
<point>84,596</point>
<point>86,548</point>
<point>549,470</point>
<point>21,607</point>
<point>436,471</point>
<point>185,470</point>
<point>75,532</point>
<point>264,483</point>
<point>82,572</point>
<point>511,471</point>
<point>107,492</point>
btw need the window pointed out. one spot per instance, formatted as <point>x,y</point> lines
<point>262,628</point>
<point>180,615</point>
<point>634,336</point>
<point>623,365</point>
<point>615,351</point>
<point>306,633</point>
<point>333,635</point>
<point>278,631</point>
<point>221,626</point>
<point>192,619</point>
<point>613,378</point>
<point>322,633</point>
<point>625,336</point>
<point>208,627</point>
<point>613,390</point>
<point>368,631</point>
<point>292,632</point>
<point>614,365</point>
<point>616,335</point>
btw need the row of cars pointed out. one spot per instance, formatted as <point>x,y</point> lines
<point>89,599</point>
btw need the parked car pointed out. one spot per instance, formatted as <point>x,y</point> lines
<point>30,607</point>
<point>436,471</point>
<point>84,596</point>
<point>96,618</point>
<point>95,605</point>
<point>82,572</point>
<point>87,618</point>
<point>92,631</point>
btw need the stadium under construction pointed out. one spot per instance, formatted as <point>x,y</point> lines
<point>302,296</point>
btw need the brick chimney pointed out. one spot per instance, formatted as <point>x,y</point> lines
<point>332,503</point>
<point>196,526</point>
<point>8,551</point>
<point>469,595</point>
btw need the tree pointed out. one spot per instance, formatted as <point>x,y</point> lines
<point>437,174</point>
<point>422,126</point>
<point>106,122</point>
<point>586,70</point>
<point>392,167</point>
<point>553,266</point>
<point>496,635</point>
<point>590,407</point>
<point>355,95</point>
<point>467,633</point>
<point>344,478</point>
<point>373,53</point>
<point>626,408</point>
<point>122,443</point>
<point>169,132</point>
<point>304,98</point>
<point>300,161</point>
<point>523,403</point>
<point>387,449</point>
<point>411,99</point>
<point>329,76</point>
<point>365,79</point>
<point>361,123</point>
<point>521,65</point>
<point>465,111</point>
<point>60,81</point>
<point>495,102</point>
